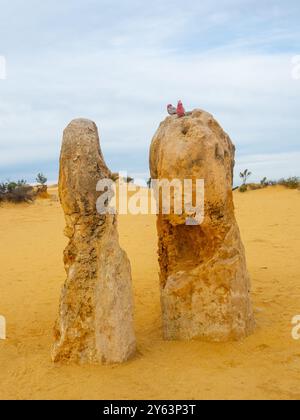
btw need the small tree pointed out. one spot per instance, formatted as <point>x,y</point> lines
<point>41,179</point>
<point>245,176</point>
<point>41,189</point>
<point>264,182</point>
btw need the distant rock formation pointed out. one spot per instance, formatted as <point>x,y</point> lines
<point>95,322</point>
<point>204,280</point>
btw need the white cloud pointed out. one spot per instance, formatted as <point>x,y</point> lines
<point>121,66</point>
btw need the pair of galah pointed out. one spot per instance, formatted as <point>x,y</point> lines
<point>180,111</point>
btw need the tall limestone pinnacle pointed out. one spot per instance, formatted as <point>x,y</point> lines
<point>204,283</point>
<point>95,323</point>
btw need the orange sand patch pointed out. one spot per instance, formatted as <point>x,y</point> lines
<point>266,365</point>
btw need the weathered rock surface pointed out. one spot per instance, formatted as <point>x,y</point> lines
<point>204,280</point>
<point>95,321</point>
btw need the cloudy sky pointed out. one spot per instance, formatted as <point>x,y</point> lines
<point>119,62</point>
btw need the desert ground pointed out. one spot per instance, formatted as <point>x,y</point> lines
<point>264,366</point>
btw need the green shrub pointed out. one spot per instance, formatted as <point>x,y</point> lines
<point>243,188</point>
<point>11,186</point>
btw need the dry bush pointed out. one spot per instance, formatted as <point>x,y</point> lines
<point>292,183</point>
<point>16,192</point>
<point>41,191</point>
<point>253,187</point>
<point>24,194</point>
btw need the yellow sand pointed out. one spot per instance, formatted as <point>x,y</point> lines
<point>266,365</point>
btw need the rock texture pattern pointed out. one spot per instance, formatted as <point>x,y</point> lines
<point>204,280</point>
<point>95,321</point>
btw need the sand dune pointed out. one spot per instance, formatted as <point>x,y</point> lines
<point>265,365</point>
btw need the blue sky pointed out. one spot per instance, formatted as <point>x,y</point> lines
<point>120,62</point>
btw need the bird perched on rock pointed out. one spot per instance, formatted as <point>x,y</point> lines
<point>171,109</point>
<point>180,110</point>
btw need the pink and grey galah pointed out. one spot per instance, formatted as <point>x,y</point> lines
<point>171,109</point>
<point>180,110</point>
